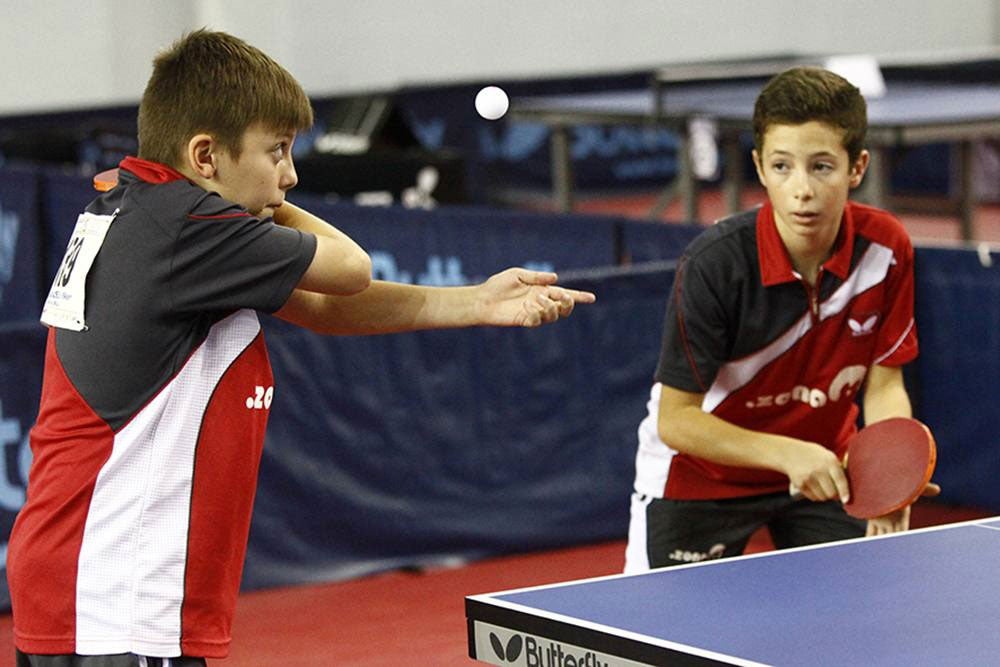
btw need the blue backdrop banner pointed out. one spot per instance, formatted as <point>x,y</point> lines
<point>22,350</point>
<point>63,198</point>
<point>461,245</point>
<point>419,449</point>
<point>958,320</point>
<point>21,269</point>
<point>647,241</point>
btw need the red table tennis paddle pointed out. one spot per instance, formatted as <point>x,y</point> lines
<point>888,465</point>
<point>106,180</point>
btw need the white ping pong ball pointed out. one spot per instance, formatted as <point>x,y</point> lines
<point>492,102</point>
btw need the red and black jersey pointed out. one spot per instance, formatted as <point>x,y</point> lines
<point>769,351</point>
<point>151,427</point>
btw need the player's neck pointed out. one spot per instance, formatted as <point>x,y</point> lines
<point>808,261</point>
<point>808,246</point>
<point>808,254</point>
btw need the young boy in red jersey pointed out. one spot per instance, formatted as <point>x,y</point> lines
<point>779,318</point>
<point>157,385</point>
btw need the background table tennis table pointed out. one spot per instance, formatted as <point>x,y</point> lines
<point>925,597</point>
<point>910,113</point>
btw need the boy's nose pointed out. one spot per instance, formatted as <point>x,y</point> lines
<point>289,179</point>
<point>801,185</point>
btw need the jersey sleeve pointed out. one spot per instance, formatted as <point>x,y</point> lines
<point>226,259</point>
<point>694,331</point>
<point>897,336</point>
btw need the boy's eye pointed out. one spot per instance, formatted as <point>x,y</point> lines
<point>779,167</point>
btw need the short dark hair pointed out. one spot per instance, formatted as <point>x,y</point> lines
<point>803,94</point>
<point>215,83</point>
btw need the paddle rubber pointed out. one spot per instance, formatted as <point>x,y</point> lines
<point>888,464</point>
<point>106,180</point>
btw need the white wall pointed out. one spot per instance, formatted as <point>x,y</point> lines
<point>64,54</point>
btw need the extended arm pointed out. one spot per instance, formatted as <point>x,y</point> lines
<point>515,297</point>
<point>337,296</point>
<point>684,426</point>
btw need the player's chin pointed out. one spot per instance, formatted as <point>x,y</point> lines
<point>264,210</point>
<point>809,229</point>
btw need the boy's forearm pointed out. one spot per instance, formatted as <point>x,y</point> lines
<point>384,307</point>
<point>811,468</point>
<point>513,297</point>
<point>885,395</point>
<point>396,307</point>
<point>697,433</point>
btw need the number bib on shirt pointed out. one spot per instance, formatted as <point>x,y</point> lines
<point>64,307</point>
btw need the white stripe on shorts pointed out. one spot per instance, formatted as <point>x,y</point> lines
<point>636,551</point>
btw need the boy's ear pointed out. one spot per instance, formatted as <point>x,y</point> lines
<point>757,165</point>
<point>859,168</point>
<point>200,155</point>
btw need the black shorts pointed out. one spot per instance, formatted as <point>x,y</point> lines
<point>667,532</point>
<point>119,660</point>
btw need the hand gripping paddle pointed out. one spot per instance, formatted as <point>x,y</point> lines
<point>888,465</point>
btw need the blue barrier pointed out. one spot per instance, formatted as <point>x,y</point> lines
<point>461,245</point>
<point>21,270</point>
<point>958,320</point>
<point>63,197</point>
<point>647,241</point>
<point>415,449</point>
<point>22,351</point>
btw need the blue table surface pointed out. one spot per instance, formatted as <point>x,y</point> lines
<point>923,597</point>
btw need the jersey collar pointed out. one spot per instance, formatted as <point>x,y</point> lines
<point>151,172</point>
<point>776,265</point>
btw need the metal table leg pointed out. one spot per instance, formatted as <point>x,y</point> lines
<point>562,169</point>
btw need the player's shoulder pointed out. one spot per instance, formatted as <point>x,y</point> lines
<point>727,239</point>
<point>212,206</point>
<point>878,226</point>
<point>177,204</point>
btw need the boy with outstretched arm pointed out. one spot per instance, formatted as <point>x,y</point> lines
<point>157,385</point>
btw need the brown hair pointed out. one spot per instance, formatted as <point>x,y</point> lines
<point>803,94</point>
<point>215,83</point>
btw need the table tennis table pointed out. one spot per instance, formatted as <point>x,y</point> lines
<point>909,113</point>
<point>925,597</point>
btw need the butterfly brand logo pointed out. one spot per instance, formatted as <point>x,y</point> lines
<point>542,653</point>
<point>510,652</point>
<point>862,328</point>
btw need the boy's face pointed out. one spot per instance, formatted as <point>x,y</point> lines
<point>808,175</point>
<point>262,175</point>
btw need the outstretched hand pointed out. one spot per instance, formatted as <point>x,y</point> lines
<point>522,298</point>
